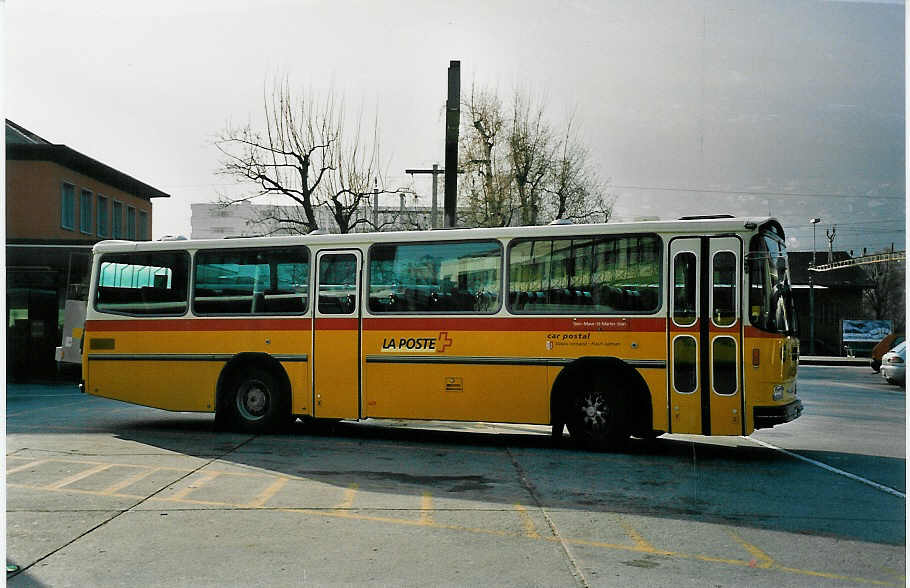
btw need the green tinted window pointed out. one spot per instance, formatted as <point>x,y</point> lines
<point>435,277</point>
<point>272,280</point>
<point>586,275</point>
<point>143,283</point>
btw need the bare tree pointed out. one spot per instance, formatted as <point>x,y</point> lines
<point>487,191</point>
<point>308,156</point>
<point>519,171</point>
<point>574,190</point>
<point>885,299</point>
<point>530,151</point>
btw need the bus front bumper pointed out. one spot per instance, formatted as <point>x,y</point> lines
<point>767,416</point>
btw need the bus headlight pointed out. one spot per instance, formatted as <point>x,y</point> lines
<point>778,392</point>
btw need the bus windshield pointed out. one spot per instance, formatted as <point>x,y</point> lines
<point>771,306</point>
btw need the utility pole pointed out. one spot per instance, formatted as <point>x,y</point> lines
<point>436,172</point>
<point>830,235</point>
<point>375,205</point>
<point>453,120</point>
<point>814,222</point>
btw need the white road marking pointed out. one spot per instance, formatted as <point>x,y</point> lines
<point>825,466</point>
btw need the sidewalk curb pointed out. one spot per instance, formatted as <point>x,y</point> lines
<point>836,361</point>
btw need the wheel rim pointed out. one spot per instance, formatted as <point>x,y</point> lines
<point>596,415</point>
<point>253,400</point>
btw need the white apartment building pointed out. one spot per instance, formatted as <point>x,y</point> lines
<point>213,220</point>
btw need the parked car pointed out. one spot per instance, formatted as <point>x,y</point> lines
<point>888,343</point>
<point>894,365</point>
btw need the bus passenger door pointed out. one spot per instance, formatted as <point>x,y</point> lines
<point>336,335</point>
<point>684,330</point>
<point>725,339</point>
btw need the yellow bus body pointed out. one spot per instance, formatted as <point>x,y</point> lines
<point>498,367</point>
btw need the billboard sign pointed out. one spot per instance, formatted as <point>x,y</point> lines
<point>865,331</point>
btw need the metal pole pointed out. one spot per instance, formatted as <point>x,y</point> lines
<point>434,215</point>
<point>375,207</point>
<point>453,120</point>
<point>433,223</point>
<point>814,222</point>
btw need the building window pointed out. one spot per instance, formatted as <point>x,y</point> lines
<point>131,223</point>
<point>143,225</point>
<point>85,212</point>
<point>102,216</point>
<point>117,220</point>
<point>68,207</point>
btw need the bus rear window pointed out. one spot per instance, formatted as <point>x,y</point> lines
<point>143,283</point>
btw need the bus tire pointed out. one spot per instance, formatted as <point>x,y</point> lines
<point>591,397</point>
<point>255,402</point>
<point>597,418</point>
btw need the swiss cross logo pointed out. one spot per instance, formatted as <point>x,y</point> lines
<point>443,341</point>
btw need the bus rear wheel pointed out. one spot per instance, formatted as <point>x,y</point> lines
<point>597,418</point>
<point>255,402</point>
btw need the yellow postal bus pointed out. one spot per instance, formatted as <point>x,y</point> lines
<point>612,330</point>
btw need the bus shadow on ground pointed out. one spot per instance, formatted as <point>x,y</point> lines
<point>707,480</point>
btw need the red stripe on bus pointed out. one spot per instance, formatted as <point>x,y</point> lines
<point>336,324</point>
<point>592,323</point>
<point>201,324</point>
<point>752,332</point>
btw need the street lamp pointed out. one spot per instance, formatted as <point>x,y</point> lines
<point>813,222</point>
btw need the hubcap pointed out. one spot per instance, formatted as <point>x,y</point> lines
<point>595,412</point>
<point>253,399</point>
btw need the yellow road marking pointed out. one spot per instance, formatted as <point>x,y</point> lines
<point>343,511</point>
<point>348,501</point>
<point>114,488</point>
<point>762,559</point>
<point>79,476</point>
<point>426,509</point>
<point>266,494</point>
<point>527,523</point>
<point>25,466</point>
<point>76,491</point>
<point>856,579</point>
<point>640,542</point>
<point>199,483</point>
<point>126,465</point>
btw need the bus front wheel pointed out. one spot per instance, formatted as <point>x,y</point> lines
<point>255,402</point>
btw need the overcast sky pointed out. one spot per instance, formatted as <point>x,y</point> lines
<point>694,107</point>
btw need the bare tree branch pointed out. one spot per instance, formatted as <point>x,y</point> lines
<point>519,170</point>
<point>305,153</point>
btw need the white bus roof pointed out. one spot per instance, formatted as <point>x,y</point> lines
<point>694,226</point>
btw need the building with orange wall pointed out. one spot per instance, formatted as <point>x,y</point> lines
<point>59,202</point>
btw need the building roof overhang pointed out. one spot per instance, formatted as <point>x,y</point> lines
<point>78,162</point>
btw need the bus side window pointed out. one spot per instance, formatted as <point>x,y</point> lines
<point>590,275</point>
<point>266,280</point>
<point>435,278</point>
<point>143,283</point>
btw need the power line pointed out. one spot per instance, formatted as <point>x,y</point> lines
<point>752,192</point>
<point>869,222</point>
<point>855,232</point>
